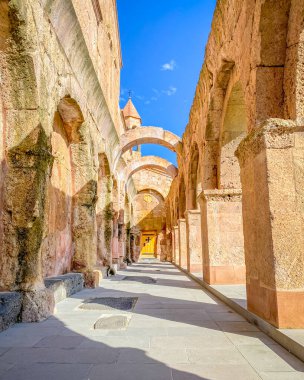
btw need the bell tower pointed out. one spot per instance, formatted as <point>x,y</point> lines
<point>132,118</point>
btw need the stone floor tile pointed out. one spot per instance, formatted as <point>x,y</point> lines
<point>219,355</point>
<point>214,371</point>
<point>58,341</point>
<point>47,371</point>
<point>228,317</point>
<point>191,341</point>
<point>142,342</point>
<point>102,354</point>
<point>250,338</point>
<point>271,359</point>
<point>163,355</point>
<point>229,326</point>
<point>131,372</point>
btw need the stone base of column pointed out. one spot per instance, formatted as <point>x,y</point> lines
<point>222,236</point>
<point>225,274</point>
<point>196,268</point>
<point>283,309</point>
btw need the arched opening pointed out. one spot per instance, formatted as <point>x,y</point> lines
<point>57,247</point>
<point>148,220</point>
<point>234,129</point>
<point>149,162</point>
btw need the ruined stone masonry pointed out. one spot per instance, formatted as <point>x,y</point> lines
<point>76,195</point>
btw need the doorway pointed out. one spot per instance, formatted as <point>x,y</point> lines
<point>148,245</point>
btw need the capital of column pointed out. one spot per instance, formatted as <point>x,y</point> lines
<point>273,134</point>
<point>192,212</point>
<point>220,195</point>
<point>181,220</point>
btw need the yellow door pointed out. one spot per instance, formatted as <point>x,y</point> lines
<point>148,245</point>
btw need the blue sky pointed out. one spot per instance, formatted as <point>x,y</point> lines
<point>163,44</point>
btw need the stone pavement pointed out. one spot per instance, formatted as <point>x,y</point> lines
<point>175,331</point>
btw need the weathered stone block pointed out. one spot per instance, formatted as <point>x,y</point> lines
<point>37,305</point>
<point>10,306</point>
<point>65,285</point>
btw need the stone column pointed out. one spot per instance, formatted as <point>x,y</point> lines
<point>222,236</point>
<point>169,242</point>
<point>176,245</point>
<point>272,167</point>
<point>135,244</point>
<point>194,241</point>
<point>182,233</point>
<point>122,245</point>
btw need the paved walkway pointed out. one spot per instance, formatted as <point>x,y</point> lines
<point>176,331</point>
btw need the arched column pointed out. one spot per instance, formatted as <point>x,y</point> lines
<point>221,207</point>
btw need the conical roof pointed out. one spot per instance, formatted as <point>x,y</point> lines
<point>130,110</point>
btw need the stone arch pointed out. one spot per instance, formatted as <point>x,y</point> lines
<point>213,126</point>
<point>273,31</point>
<point>294,73</point>
<point>155,192</point>
<point>149,208</point>
<point>59,245</point>
<point>147,135</point>
<point>233,130</point>
<point>146,162</point>
<point>193,177</point>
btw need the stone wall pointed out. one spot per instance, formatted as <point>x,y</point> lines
<point>59,112</point>
<point>252,73</point>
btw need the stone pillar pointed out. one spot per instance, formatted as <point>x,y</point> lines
<point>194,241</point>
<point>182,234</point>
<point>222,236</point>
<point>135,244</point>
<point>272,167</point>
<point>176,245</point>
<point>122,245</point>
<point>169,242</point>
<point>161,246</point>
<point>115,253</point>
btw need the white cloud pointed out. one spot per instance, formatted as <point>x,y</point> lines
<point>147,102</point>
<point>154,98</point>
<point>171,91</point>
<point>169,66</point>
<point>139,97</point>
<point>121,99</point>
